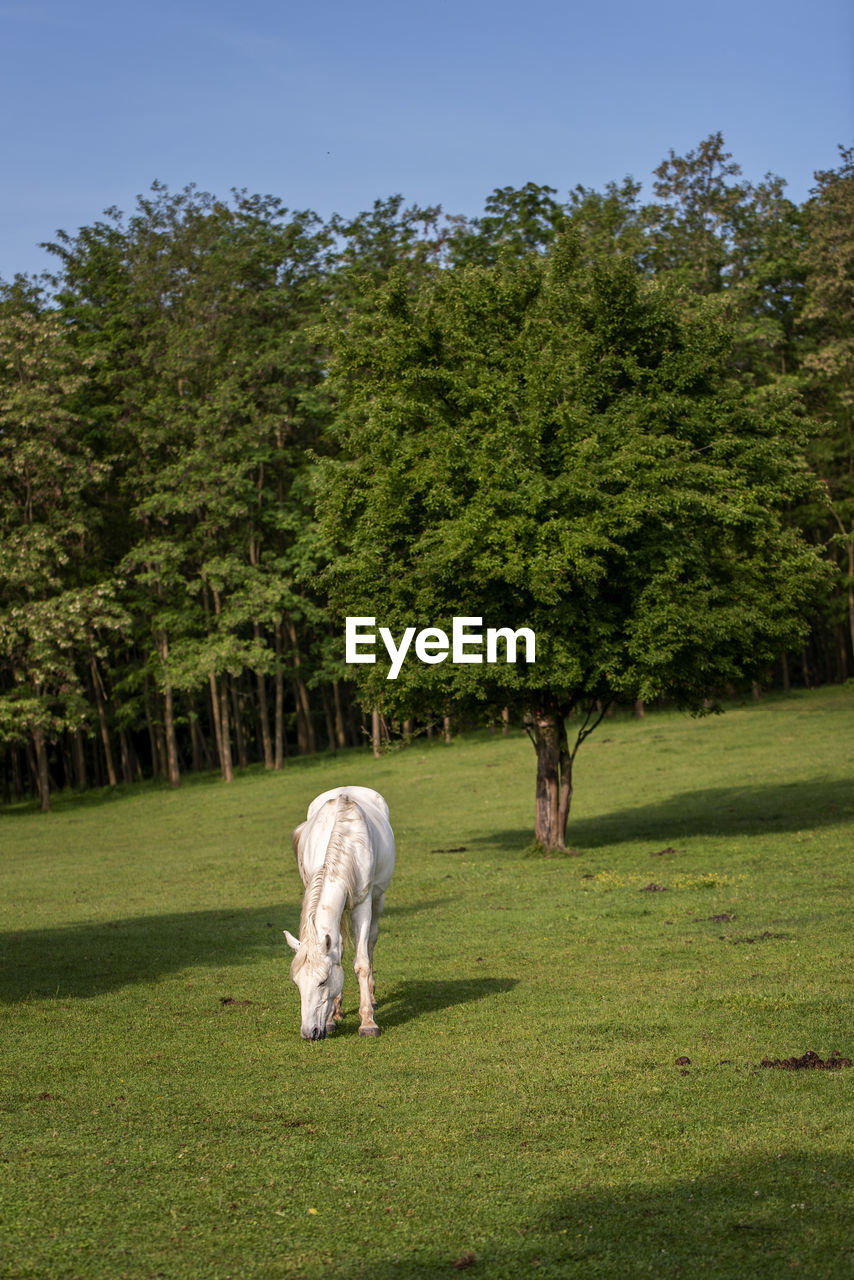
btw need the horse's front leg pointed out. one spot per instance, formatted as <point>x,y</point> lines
<point>364,936</point>
<point>335,1016</point>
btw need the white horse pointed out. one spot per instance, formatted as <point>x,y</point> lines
<point>345,856</point>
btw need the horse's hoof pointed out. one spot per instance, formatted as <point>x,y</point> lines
<point>369,1031</point>
<point>330,1027</point>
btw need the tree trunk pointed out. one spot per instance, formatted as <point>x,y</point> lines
<point>302,732</point>
<point>215,716</point>
<point>279,730</point>
<point>17,779</point>
<point>446,725</point>
<point>327,715</point>
<point>125,758</point>
<point>100,701</point>
<point>554,791</point>
<point>152,739</point>
<point>79,756</point>
<point>264,719</point>
<point>842,656</point>
<point>505,721</point>
<point>340,732</point>
<point>225,730</point>
<point>173,772</point>
<point>805,667</point>
<point>375,732</point>
<point>161,747</point>
<point>67,765</point>
<point>239,736</point>
<point>42,776</point>
<point>201,755</point>
<point>305,728</point>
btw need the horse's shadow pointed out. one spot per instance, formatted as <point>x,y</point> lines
<point>410,1000</point>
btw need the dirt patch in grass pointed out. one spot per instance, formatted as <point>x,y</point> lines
<point>809,1062</point>
<point>466,1261</point>
<point>762,937</point>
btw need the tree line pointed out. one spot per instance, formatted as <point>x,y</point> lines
<point>192,462</point>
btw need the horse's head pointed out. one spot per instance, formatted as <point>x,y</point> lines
<point>316,969</point>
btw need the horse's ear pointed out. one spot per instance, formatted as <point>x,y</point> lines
<point>293,942</point>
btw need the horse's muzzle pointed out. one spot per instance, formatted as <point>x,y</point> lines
<point>316,1033</point>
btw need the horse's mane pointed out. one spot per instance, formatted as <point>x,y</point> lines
<point>349,834</point>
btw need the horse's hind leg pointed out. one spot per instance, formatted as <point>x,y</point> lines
<point>378,904</point>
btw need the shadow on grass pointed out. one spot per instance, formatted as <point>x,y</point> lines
<point>87,960</point>
<point>768,1216</point>
<point>410,1000</point>
<point>716,811</point>
<point>91,959</point>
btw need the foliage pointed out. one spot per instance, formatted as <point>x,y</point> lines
<point>555,446</point>
<point>50,609</point>
<point>166,391</point>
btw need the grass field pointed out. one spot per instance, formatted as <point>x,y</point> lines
<point>523,1112</point>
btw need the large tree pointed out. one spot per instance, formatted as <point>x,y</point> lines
<point>828,327</point>
<point>552,444</point>
<point>54,609</point>
<point>205,393</point>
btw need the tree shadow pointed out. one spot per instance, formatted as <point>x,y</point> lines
<point>85,960</point>
<point>714,811</point>
<point>761,1217</point>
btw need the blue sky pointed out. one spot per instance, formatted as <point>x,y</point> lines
<point>332,106</point>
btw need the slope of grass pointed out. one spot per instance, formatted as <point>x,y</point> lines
<point>523,1111</point>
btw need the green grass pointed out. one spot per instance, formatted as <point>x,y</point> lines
<point>523,1105</point>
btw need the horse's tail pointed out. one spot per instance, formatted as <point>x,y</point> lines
<point>296,835</point>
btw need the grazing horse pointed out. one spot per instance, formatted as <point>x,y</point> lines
<point>345,856</point>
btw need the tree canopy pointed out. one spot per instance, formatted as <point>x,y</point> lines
<point>625,425</point>
<point>555,445</point>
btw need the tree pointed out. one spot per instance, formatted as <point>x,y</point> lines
<point>828,316</point>
<point>197,313</point>
<point>516,222</point>
<point>553,444</point>
<point>51,607</point>
<point>691,230</point>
